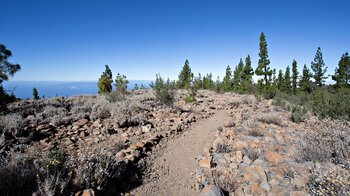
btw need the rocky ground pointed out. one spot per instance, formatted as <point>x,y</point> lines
<point>87,145</point>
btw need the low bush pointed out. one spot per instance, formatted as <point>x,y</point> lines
<point>334,104</point>
<point>298,113</point>
<point>329,142</point>
<point>163,91</point>
<point>329,180</point>
<point>270,118</point>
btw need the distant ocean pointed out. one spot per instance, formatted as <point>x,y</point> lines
<point>24,89</point>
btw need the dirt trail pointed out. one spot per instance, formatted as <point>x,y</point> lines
<point>175,165</point>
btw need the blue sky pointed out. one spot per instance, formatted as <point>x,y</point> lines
<point>73,40</point>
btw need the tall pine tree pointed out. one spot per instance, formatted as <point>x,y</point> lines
<point>247,76</point>
<point>280,81</point>
<point>318,68</point>
<point>227,81</point>
<point>342,72</point>
<point>295,74</point>
<point>304,82</point>
<point>105,81</point>
<point>185,76</point>
<point>287,82</point>
<point>237,76</point>
<point>263,68</point>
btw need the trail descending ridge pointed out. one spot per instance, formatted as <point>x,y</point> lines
<point>179,159</point>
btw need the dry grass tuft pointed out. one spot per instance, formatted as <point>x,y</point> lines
<point>271,118</point>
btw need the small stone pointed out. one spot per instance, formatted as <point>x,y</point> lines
<point>206,152</point>
<point>81,122</point>
<point>300,181</point>
<point>206,163</point>
<point>298,193</point>
<point>229,124</point>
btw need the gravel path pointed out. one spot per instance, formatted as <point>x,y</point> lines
<point>174,167</point>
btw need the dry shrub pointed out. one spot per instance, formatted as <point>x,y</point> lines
<point>270,118</point>
<point>11,123</point>
<point>330,180</point>
<point>17,175</point>
<point>219,146</point>
<point>94,168</point>
<point>329,142</point>
<point>225,179</point>
<point>252,128</point>
<point>234,103</point>
<point>248,99</point>
<point>252,153</point>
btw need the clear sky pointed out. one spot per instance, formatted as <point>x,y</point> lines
<point>72,40</point>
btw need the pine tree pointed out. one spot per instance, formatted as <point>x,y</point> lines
<point>342,73</point>
<point>287,80</point>
<point>227,81</point>
<point>105,81</point>
<point>198,82</point>
<point>35,94</point>
<point>237,76</point>
<point>304,82</point>
<point>208,82</point>
<point>280,80</point>
<point>163,91</point>
<point>185,76</point>
<point>121,84</point>
<point>263,69</point>
<point>295,74</point>
<point>247,76</point>
<point>217,85</point>
<point>318,68</point>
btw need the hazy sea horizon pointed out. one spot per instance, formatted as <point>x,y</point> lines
<point>24,89</point>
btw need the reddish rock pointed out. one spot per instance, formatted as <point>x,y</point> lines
<point>254,173</point>
<point>206,163</point>
<point>273,157</point>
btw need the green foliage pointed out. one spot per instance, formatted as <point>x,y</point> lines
<point>263,69</point>
<point>295,74</point>
<point>208,82</point>
<point>7,69</point>
<point>237,76</point>
<point>342,72</point>
<point>227,81</point>
<point>287,81</point>
<point>136,87</point>
<point>305,83</point>
<point>247,76</point>
<point>185,77</point>
<point>198,82</point>
<point>218,86</point>
<point>105,81</point>
<point>35,94</point>
<point>121,84</point>
<point>280,81</point>
<point>318,68</point>
<point>164,91</point>
<point>5,98</point>
<point>260,86</point>
<point>298,113</point>
<point>333,104</point>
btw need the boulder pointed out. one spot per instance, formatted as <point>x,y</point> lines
<point>273,157</point>
<point>254,173</point>
<point>212,190</point>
